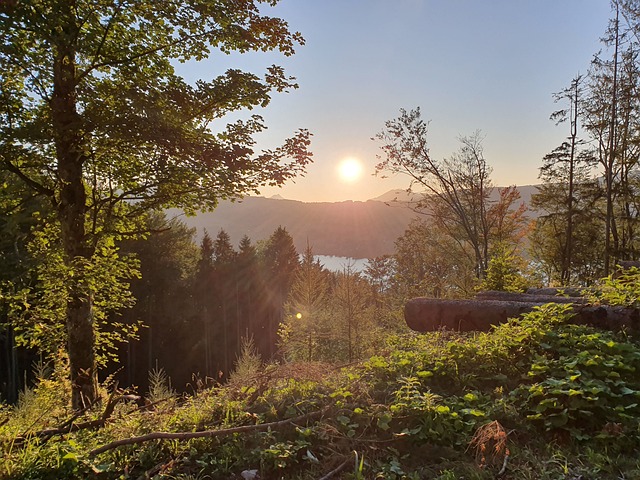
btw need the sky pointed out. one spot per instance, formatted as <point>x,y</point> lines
<point>488,65</point>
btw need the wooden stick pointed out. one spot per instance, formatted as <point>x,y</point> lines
<point>203,434</point>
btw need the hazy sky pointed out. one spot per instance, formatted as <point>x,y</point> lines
<point>489,65</point>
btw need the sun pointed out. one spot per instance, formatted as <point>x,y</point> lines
<point>350,169</point>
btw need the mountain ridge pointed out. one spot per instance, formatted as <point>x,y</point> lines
<point>356,229</point>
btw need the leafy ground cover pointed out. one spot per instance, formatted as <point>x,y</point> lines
<point>536,398</point>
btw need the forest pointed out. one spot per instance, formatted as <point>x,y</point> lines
<point>131,348</point>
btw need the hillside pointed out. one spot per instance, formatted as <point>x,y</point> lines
<point>346,229</point>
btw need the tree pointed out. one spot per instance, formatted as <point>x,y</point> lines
<point>351,299</point>
<point>305,325</point>
<point>456,191</point>
<point>612,120</point>
<point>164,302</point>
<point>281,263</point>
<point>250,288</point>
<point>224,293</point>
<point>566,197</point>
<point>426,264</point>
<point>379,273</point>
<point>95,119</point>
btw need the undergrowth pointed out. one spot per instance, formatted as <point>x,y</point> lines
<point>535,398</point>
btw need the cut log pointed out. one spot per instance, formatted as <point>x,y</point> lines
<point>430,314</point>
<point>527,297</point>
<point>552,291</point>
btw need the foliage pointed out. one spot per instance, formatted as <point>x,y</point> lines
<point>38,312</point>
<point>554,397</point>
<point>622,288</point>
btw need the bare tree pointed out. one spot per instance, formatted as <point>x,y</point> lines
<point>457,191</point>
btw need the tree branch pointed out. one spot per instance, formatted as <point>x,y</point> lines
<point>203,434</point>
<point>31,183</point>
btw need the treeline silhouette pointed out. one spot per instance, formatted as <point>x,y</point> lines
<point>194,306</point>
<point>197,304</point>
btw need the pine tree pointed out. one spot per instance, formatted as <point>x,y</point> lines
<point>281,262</point>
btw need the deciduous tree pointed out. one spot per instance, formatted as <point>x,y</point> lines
<point>456,192</point>
<point>94,118</point>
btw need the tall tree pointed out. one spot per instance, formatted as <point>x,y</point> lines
<point>202,290</point>
<point>249,286</point>
<point>94,118</point>
<point>224,293</point>
<point>168,264</point>
<point>456,192</point>
<point>281,263</point>
<point>612,119</point>
<point>566,197</point>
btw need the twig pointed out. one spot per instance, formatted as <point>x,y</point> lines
<point>155,470</point>
<point>203,434</point>
<point>504,465</point>
<point>337,470</point>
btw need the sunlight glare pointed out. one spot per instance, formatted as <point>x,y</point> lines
<point>350,170</point>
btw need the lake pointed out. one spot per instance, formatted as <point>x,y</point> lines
<point>338,264</point>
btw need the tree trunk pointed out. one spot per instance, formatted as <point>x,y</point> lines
<point>610,162</point>
<point>71,209</point>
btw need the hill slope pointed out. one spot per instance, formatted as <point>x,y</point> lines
<point>346,229</point>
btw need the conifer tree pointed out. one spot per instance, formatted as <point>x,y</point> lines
<point>281,262</point>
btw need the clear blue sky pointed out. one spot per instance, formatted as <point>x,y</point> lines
<point>491,65</point>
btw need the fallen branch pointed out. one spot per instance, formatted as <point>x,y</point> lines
<point>203,434</point>
<point>70,426</point>
<point>161,467</point>
<point>503,470</point>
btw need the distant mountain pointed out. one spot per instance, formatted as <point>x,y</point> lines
<point>346,229</point>
<point>403,196</point>
<point>398,195</point>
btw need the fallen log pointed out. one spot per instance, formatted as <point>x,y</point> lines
<point>430,314</point>
<point>552,291</point>
<point>527,297</point>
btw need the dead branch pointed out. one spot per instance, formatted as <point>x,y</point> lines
<point>203,434</point>
<point>70,426</point>
<point>161,467</point>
